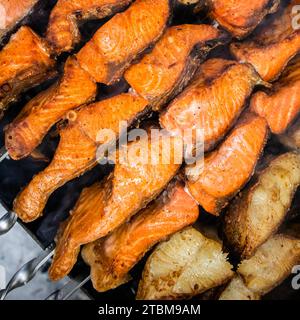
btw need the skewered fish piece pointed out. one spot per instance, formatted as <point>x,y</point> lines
<point>281,104</point>
<point>240,17</point>
<point>113,257</point>
<point>226,170</point>
<point>184,266</point>
<point>213,101</point>
<point>63,32</point>
<point>291,138</point>
<point>24,62</point>
<point>272,263</point>
<point>26,132</point>
<point>164,72</point>
<point>131,187</point>
<point>273,45</point>
<point>77,149</point>
<point>255,215</point>
<point>118,42</point>
<point>12,12</point>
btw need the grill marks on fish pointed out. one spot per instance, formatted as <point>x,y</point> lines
<point>240,17</point>
<point>255,215</point>
<point>164,72</point>
<point>213,101</point>
<point>281,105</point>
<point>113,257</point>
<point>131,187</point>
<point>25,62</point>
<point>63,32</point>
<point>26,132</point>
<point>12,12</point>
<point>118,42</point>
<point>226,170</point>
<point>77,149</point>
<point>272,46</point>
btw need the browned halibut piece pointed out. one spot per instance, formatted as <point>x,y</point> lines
<point>76,152</point>
<point>12,12</point>
<point>186,265</point>
<point>164,72</point>
<point>291,138</point>
<point>226,170</point>
<point>24,62</point>
<point>118,42</point>
<point>255,215</point>
<point>272,46</point>
<point>131,187</point>
<point>26,132</point>
<point>113,257</point>
<point>63,32</point>
<point>213,101</point>
<point>281,105</point>
<point>272,264</point>
<point>240,17</point>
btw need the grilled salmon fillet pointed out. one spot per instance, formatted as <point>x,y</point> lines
<point>165,71</point>
<point>226,170</point>
<point>255,215</point>
<point>281,105</point>
<point>291,138</point>
<point>26,132</point>
<point>272,46</point>
<point>76,152</point>
<point>118,42</point>
<point>12,12</point>
<point>133,184</point>
<point>186,265</point>
<point>24,62</point>
<point>271,265</point>
<point>240,17</point>
<point>63,32</point>
<point>113,257</point>
<point>212,102</point>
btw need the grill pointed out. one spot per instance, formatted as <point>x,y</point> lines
<point>15,175</point>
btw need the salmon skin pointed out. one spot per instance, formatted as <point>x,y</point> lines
<point>118,42</point>
<point>24,62</point>
<point>107,205</point>
<point>227,169</point>
<point>26,132</point>
<point>63,32</point>
<point>240,17</point>
<point>76,152</point>
<point>12,12</point>
<point>113,257</point>
<point>164,72</point>
<point>291,138</point>
<point>258,212</point>
<point>280,105</point>
<point>272,46</point>
<point>212,102</point>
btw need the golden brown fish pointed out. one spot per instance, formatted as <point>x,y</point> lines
<point>227,169</point>
<point>273,45</point>
<point>113,257</point>
<point>24,63</point>
<point>255,215</point>
<point>26,132</point>
<point>280,105</point>
<point>165,71</point>
<point>118,42</point>
<point>63,32</point>
<point>212,102</point>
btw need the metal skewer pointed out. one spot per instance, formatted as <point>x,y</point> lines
<point>28,271</point>
<point>3,154</point>
<point>68,289</point>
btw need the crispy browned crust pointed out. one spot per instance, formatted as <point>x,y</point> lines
<point>258,212</point>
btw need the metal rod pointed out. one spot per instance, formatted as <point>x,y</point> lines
<point>3,154</point>
<point>68,289</point>
<point>28,271</point>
